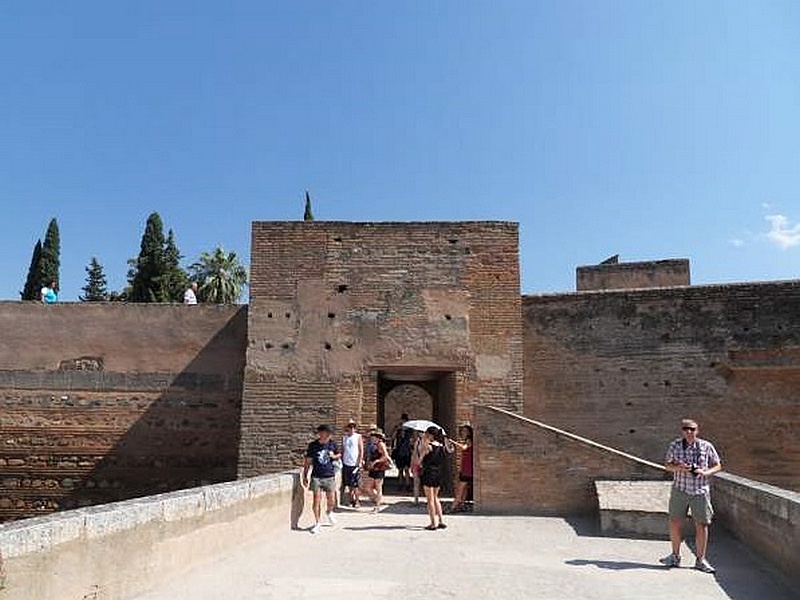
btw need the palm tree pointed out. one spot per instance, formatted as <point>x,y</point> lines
<point>220,276</point>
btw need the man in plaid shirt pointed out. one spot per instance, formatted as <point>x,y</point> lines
<point>691,461</point>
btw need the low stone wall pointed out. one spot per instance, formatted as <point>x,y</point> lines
<point>119,550</point>
<point>528,467</point>
<point>765,517</point>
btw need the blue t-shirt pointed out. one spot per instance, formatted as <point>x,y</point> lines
<point>321,461</point>
<point>50,295</point>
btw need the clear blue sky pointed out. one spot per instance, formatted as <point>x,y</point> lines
<point>649,129</point>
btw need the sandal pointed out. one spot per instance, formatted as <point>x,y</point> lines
<point>442,526</point>
<point>431,528</point>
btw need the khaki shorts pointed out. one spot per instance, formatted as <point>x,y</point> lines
<point>325,484</point>
<point>700,505</point>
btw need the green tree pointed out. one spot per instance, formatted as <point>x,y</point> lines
<point>308,215</point>
<point>96,288</point>
<point>32,284</point>
<point>220,276</point>
<point>147,273</point>
<point>175,280</point>
<point>50,262</point>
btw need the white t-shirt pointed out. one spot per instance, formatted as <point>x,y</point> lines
<point>350,445</point>
<point>189,297</point>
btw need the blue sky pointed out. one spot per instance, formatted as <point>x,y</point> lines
<point>646,129</point>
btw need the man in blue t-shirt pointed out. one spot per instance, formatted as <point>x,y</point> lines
<point>319,458</point>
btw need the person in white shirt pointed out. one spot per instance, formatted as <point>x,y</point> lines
<point>190,295</point>
<point>352,461</point>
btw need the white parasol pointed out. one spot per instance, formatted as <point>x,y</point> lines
<point>422,425</point>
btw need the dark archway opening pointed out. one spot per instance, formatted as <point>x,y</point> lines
<point>420,393</point>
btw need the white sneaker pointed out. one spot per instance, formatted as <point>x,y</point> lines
<point>315,528</point>
<point>703,565</point>
<point>671,560</point>
<point>331,519</point>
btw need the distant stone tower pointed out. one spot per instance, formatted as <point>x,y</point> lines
<point>343,314</point>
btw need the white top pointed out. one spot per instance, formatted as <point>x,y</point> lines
<point>350,445</point>
<point>189,297</point>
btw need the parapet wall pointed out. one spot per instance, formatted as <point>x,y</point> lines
<point>106,401</point>
<point>527,467</point>
<point>766,518</point>
<point>623,367</point>
<point>630,275</point>
<point>121,549</point>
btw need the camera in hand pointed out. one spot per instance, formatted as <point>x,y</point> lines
<point>693,469</point>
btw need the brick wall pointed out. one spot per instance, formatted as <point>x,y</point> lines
<point>525,467</point>
<point>647,274</point>
<point>106,401</point>
<point>338,309</point>
<point>623,367</point>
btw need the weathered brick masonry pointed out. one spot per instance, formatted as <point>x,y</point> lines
<point>105,401</point>
<point>527,468</point>
<point>341,313</point>
<point>621,367</point>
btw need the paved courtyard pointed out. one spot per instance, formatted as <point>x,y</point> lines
<point>391,555</point>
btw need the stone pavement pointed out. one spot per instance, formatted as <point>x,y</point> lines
<point>391,555</point>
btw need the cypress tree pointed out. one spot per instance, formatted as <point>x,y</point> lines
<point>307,214</point>
<point>147,275</point>
<point>32,284</point>
<point>50,262</point>
<point>96,289</point>
<point>175,280</point>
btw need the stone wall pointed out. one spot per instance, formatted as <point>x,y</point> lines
<point>527,467</point>
<point>121,549</point>
<point>766,518</point>
<point>622,367</point>
<point>340,313</point>
<point>630,275</point>
<point>106,401</point>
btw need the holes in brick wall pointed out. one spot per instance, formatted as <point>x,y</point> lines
<point>269,315</point>
<point>712,364</point>
<point>327,345</point>
<point>268,346</point>
<point>337,238</point>
<point>348,345</point>
<point>285,345</point>
<point>288,315</point>
<point>665,337</point>
<point>453,240</point>
<point>629,403</point>
<point>341,288</point>
<point>331,315</point>
<point>631,431</point>
<point>667,383</point>
<point>448,317</point>
<point>646,384</point>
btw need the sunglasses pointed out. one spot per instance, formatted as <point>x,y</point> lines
<point>689,428</point>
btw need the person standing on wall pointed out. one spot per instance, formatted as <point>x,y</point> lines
<point>352,461</point>
<point>319,458</point>
<point>691,461</point>
<point>190,295</point>
<point>49,294</point>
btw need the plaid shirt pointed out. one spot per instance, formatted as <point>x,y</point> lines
<point>702,454</point>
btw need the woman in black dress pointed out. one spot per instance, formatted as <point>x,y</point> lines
<point>433,462</point>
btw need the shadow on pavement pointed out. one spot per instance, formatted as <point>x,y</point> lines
<point>386,528</point>
<point>614,565</point>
